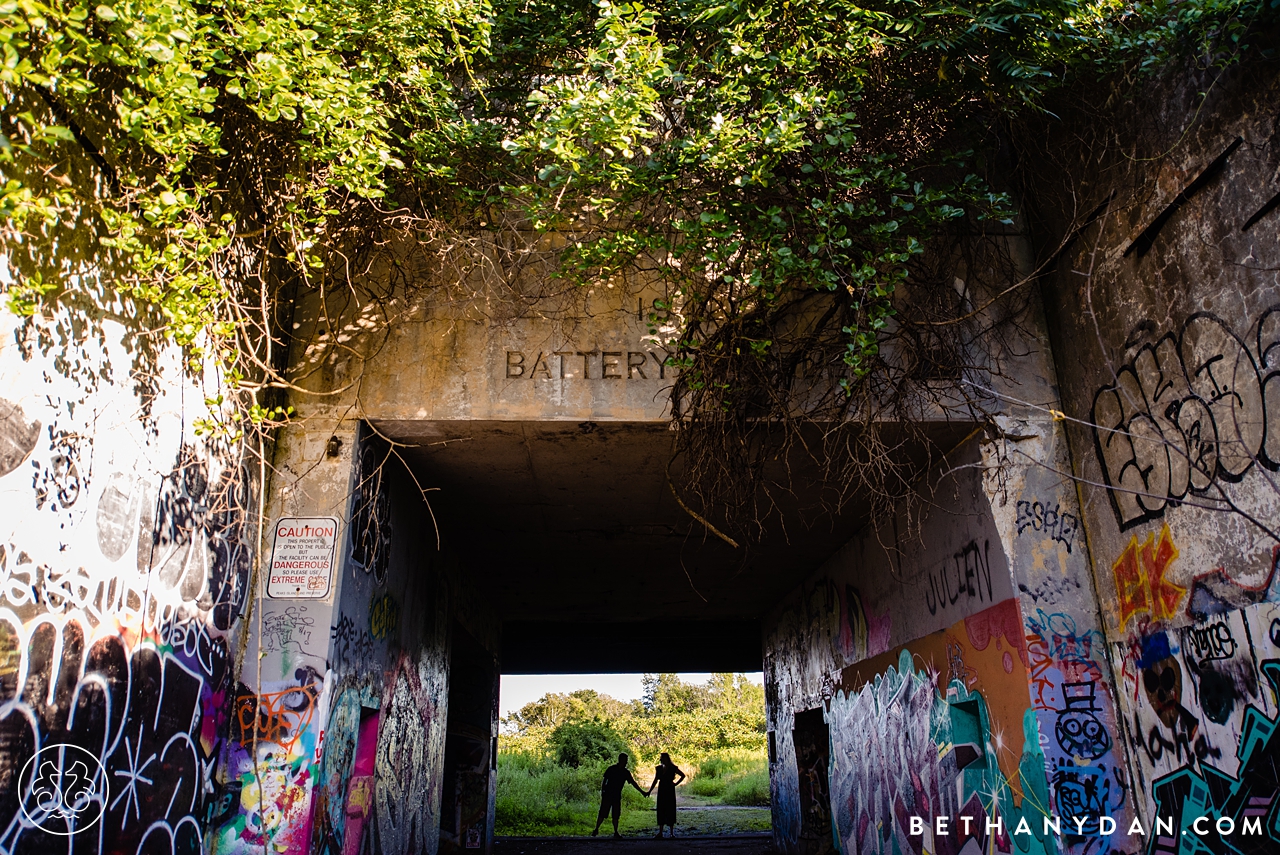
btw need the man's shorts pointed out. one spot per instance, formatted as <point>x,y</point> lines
<point>610,806</point>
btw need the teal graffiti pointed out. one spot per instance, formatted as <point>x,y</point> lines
<point>900,749</point>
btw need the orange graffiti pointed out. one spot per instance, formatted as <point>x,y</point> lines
<point>279,717</point>
<point>1165,595</point>
<point>1141,585</point>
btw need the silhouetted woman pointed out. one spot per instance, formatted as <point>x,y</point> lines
<point>667,777</point>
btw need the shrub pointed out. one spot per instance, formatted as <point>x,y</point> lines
<point>585,743</point>
<point>749,789</point>
<point>538,796</point>
<point>735,776</point>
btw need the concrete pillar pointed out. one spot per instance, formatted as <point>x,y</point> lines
<point>1035,507</point>
<point>956,657</point>
<point>350,685</point>
<point>285,689</point>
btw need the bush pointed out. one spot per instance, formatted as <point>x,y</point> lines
<point>694,736</point>
<point>735,776</point>
<point>586,743</point>
<point>749,789</point>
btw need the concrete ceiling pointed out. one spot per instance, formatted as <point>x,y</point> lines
<point>566,522</point>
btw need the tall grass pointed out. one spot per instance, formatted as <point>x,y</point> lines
<point>733,776</point>
<point>539,797</point>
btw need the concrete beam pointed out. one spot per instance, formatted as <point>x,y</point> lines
<point>570,647</point>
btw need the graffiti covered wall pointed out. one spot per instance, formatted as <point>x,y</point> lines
<point>281,699</point>
<point>390,658</point>
<point>939,727</point>
<point>1172,378</point>
<point>126,549</point>
<point>338,736</point>
<point>960,673</point>
<point>880,634</point>
<point>336,750</point>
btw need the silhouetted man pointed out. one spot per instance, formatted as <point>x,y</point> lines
<point>615,777</point>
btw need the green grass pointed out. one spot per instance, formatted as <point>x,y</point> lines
<point>538,797</point>
<point>734,776</point>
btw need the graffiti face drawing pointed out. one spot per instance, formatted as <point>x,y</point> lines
<point>1163,684</point>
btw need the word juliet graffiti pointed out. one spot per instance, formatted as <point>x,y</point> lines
<point>967,575</point>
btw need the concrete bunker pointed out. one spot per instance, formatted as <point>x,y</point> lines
<point>1070,634</point>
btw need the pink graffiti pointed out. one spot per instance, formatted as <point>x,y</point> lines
<point>1000,622</point>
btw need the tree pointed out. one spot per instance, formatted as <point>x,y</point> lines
<point>735,692</point>
<point>554,709</point>
<point>665,694</point>
<point>803,177</point>
<point>585,742</point>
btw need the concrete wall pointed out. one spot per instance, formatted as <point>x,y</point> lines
<point>398,348</point>
<point>1125,660</point>
<point>958,673</point>
<point>955,654</point>
<point>1168,354</point>
<point>126,545</point>
<point>353,690</point>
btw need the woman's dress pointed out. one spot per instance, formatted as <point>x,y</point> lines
<point>667,795</point>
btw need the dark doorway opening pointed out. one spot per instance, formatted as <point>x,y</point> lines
<point>812,739</point>
<point>467,798</point>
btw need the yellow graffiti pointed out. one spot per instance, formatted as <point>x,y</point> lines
<point>1141,586</point>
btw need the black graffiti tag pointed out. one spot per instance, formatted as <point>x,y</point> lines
<point>1040,517</point>
<point>371,513</point>
<point>967,574</point>
<point>1209,642</point>
<point>1186,411</point>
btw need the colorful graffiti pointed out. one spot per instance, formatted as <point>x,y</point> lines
<point>908,740</point>
<point>123,660</point>
<point>280,717</point>
<point>340,735</point>
<point>1072,698</point>
<point>384,617</point>
<point>410,756</point>
<point>1141,586</point>
<point>270,764</point>
<point>1200,691</point>
<point>1242,808</point>
<point>1060,653</point>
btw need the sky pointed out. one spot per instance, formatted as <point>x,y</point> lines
<point>518,690</point>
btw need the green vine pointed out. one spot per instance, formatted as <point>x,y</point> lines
<point>789,169</point>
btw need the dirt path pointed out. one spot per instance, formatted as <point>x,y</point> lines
<point>737,844</point>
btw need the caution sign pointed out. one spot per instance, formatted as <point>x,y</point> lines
<point>302,558</point>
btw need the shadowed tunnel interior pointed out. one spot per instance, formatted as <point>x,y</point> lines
<point>591,562</point>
